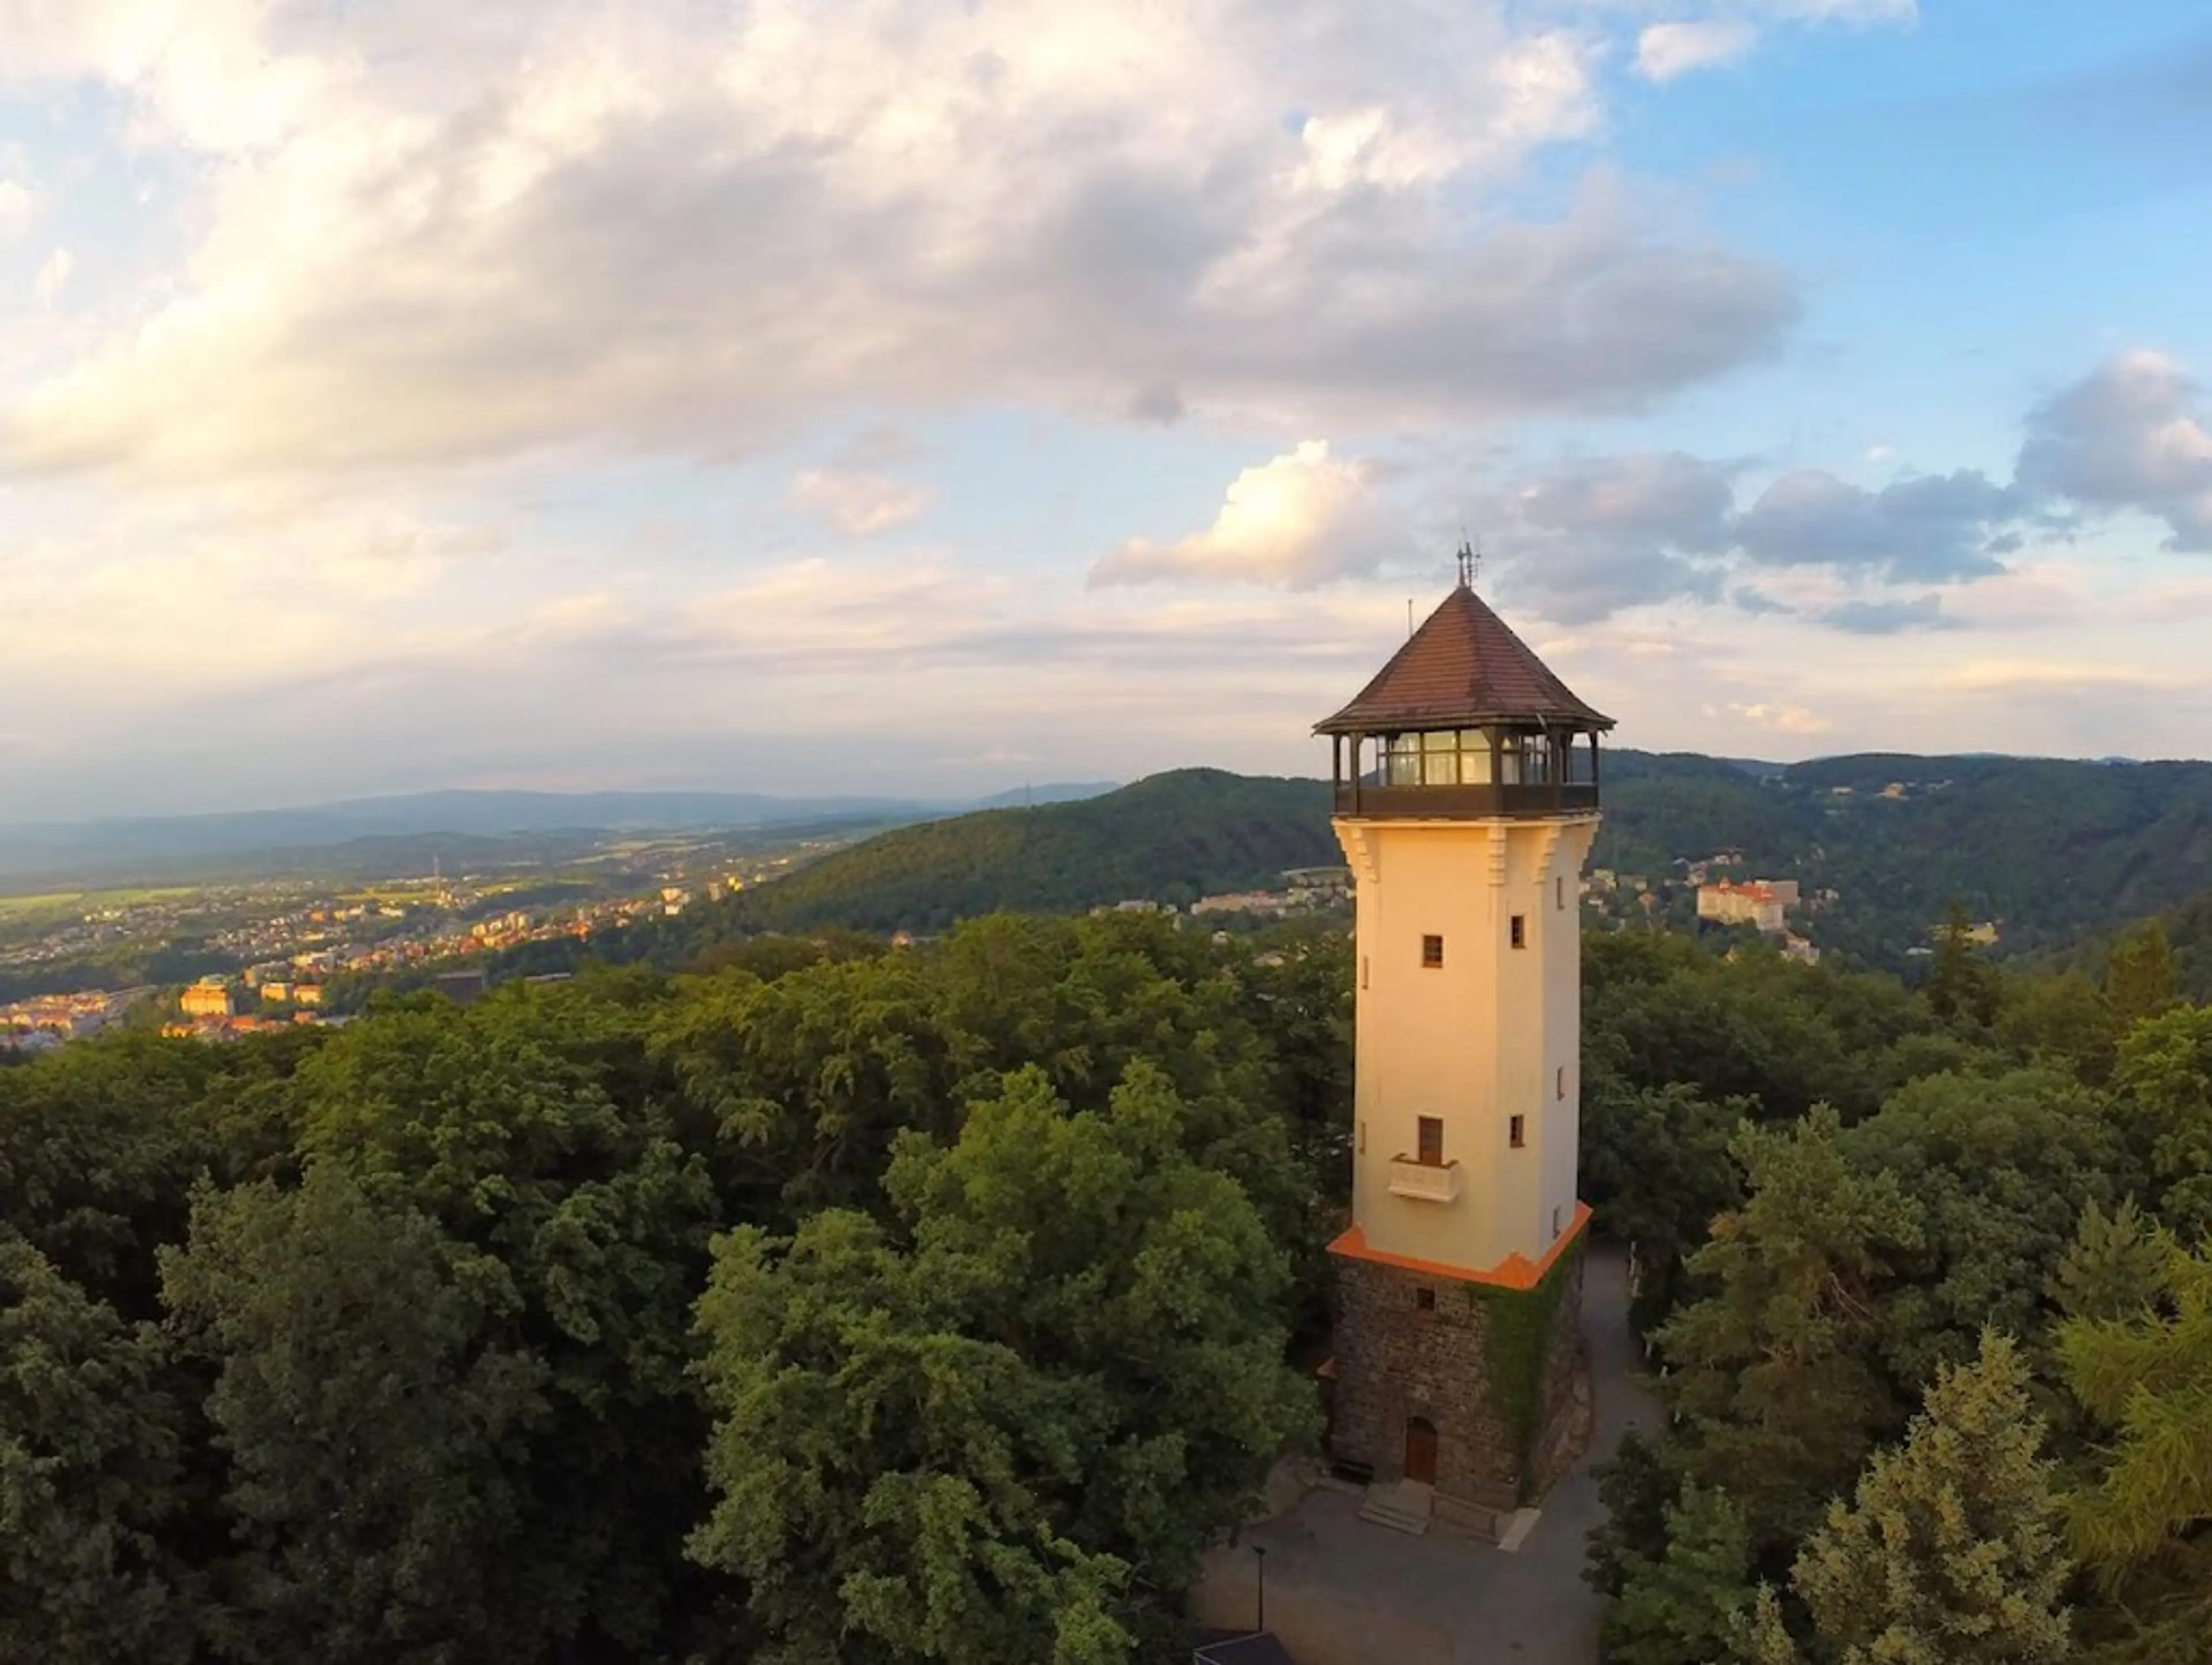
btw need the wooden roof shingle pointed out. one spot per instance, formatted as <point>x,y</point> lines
<point>1462,667</point>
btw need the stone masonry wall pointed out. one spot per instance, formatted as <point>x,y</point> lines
<point>1396,1361</point>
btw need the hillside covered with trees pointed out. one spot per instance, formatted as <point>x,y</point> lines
<point>1171,838</point>
<point>2052,851</point>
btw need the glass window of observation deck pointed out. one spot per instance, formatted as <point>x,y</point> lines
<point>1440,757</point>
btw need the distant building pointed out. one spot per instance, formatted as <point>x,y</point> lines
<point>1242,901</point>
<point>1311,885</point>
<point>1756,904</point>
<point>1795,947</point>
<point>307,994</point>
<point>206,999</point>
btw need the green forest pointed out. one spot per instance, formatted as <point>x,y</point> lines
<point>2057,851</point>
<point>828,1302</point>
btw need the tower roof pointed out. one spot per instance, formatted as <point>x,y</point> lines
<point>1461,668</point>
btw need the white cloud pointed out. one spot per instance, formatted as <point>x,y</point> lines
<point>1299,520</point>
<point>54,277</point>
<point>1665,51</point>
<point>17,205</point>
<point>857,504</point>
<point>1997,676</point>
<point>437,235</point>
<point>1853,12</point>
<point>1784,718</point>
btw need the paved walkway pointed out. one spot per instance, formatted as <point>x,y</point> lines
<point>1342,1592</point>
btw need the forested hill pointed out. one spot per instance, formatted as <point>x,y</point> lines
<point>2050,849</point>
<point>1170,837</point>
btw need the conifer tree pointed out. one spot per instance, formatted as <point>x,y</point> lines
<point>1959,985</point>
<point>2115,1266</point>
<point>2142,1527</point>
<point>1686,1605</point>
<point>1775,1387</point>
<point>1952,1551</point>
<point>2141,980</point>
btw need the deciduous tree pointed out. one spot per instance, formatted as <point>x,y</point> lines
<point>961,1438</point>
<point>90,1478</point>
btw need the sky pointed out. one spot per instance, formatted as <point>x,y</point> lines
<point>921,397</point>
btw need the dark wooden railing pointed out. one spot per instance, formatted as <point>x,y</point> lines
<point>1382,802</point>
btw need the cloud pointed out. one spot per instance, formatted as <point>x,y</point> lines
<point>1783,719</point>
<point>1927,529</point>
<point>1887,619</point>
<point>1854,14</point>
<point>1664,51</point>
<point>1594,535</point>
<point>2000,675</point>
<point>1299,520</point>
<point>54,277</point>
<point>655,227</point>
<point>1745,598</point>
<point>2132,434</point>
<point>857,503</point>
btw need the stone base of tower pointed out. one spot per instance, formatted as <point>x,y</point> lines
<point>1472,1383</point>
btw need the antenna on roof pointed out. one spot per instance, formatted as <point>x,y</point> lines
<point>1409,619</point>
<point>1470,561</point>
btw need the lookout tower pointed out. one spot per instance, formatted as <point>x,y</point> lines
<point>1466,797</point>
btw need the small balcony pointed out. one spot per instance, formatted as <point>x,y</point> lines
<point>1424,1182</point>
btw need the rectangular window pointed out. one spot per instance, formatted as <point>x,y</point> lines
<point>1363,1138</point>
<point>1363,970</point>
<point>1559,1085</point>
<point>1555,1219</point>
<point>1431,1145</point>
<point>1560,894</point>
<point>1424,1299</point>
<point>1520,930</point>
<point>1401,763</point>
<point>1432,951</point>
<point>1474,757</point>
<point>1440,759</point>
<point>1516,1132</point>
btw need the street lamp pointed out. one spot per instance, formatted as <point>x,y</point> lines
<point>1259,1561</point>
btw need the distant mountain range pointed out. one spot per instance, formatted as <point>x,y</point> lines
<point>2048,849</point>
<point>182,843</point>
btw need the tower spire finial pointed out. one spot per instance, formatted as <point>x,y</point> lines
<point>1470,561</point>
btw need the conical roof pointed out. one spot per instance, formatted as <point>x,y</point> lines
<point>1461,668</point>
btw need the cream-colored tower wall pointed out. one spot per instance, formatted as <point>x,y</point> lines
<point>1493,1032</point>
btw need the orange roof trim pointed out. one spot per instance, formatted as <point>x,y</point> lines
<point>1513,1272</point>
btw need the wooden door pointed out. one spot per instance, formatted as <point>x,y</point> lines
<point>1421,1451</point>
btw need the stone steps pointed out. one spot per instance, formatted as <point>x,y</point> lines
<point>1402,1506</point>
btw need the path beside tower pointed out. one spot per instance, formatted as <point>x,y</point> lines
<point>1343,1592</point>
